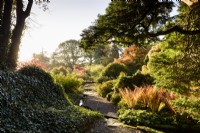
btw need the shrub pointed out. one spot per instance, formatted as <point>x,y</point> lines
<point>188,105</point>
<point>166,123</point>
<point>36,72</point>
<point>93,71</point>
<point>70,83</point>
<point>123,81</point>
<point>109,95</point>
<point>137,79</point>
<point>102,79</point>
<point>140,79</point>
<point>112,70</point>
<point>60,70</point>
<point>105,88</point>
<point>138,117</point>
<point>115,98</point>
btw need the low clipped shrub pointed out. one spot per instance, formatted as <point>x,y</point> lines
<point>112,71</point>
<point>140,79</point>
<point>188,105</point>
<point>35,72</point>
<point>105,88</point>
<point>137,79</point>
<point>169,123</point>
<point>123,81</point>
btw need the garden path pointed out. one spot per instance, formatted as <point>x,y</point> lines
<point>110,124</point>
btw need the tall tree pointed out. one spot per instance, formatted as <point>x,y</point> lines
<point>136,22</point>
<point>10,36</point>
<point>114,52</point>
<point>68,54</point>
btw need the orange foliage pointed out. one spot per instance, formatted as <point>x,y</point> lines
<point>132,54</point>
<point>79,70</point>
<point>33,62</point>
<point>147,96</point>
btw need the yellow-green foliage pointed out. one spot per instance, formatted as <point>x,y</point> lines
<point>105,88</point>
<point>94,71</point>
<point>70,83</point>
<point>188,105</point>
<point>60,70</point>
<point>112,71</point>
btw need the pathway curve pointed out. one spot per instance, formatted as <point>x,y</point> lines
<point>110,124</point>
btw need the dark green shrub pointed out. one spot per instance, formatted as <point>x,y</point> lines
<point>138,117</point>
<point>36,72</point>
<point>137,79</point>
<point>102,79</point>
<point>115,98</point>
<point>112,71</point>
<point>165,121</point>
<point>123,81</point>
<point>109,95</point>
<point>105,88</point>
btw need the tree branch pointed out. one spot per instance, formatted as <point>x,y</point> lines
<point>174,29</point>
<point>28,8</point>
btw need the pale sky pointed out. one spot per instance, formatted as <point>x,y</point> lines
<point>64,20</point>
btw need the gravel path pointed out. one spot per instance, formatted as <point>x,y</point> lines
<point>110,124</point>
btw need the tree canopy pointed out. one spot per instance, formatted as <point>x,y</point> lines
<point>138,22</point>
<point>68,54</point>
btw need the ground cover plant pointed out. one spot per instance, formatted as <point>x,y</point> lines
<point>29,103</point>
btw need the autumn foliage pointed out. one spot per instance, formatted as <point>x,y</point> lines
<point>132,54</point>
<point>33,62</point>
<point>80,71</point>
<point>149,97</point>
<point>133,57</point>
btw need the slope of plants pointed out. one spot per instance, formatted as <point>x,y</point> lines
<point>31,102</point>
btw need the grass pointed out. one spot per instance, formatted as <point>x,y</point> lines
<point>147,97</point>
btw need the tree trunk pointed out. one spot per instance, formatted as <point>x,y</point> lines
<point>5,29</point>
<point>17,33</point>
<point>14,46</point>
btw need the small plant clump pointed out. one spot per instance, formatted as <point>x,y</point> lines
<point>148,97</point>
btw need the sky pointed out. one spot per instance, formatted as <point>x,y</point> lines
<point>64,20</point>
